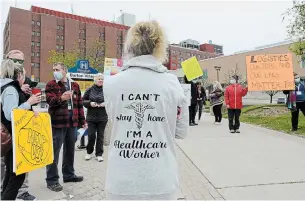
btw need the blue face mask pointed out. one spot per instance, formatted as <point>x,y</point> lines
<point>58,75</point>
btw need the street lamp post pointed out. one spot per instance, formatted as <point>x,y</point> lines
<point>217,68</point>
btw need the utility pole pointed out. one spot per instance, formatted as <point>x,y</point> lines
<point>217,68</point>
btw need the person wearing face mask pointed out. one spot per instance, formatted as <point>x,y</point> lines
<point>216,100</point>
<point>12,97</point>
<point>67,114</point>
<point>97,118</point>
<point>233,99</point>
<point>296,101</point>
<point>18,57</point>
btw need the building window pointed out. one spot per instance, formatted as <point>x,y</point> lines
<point>102,34</point>
<point>61,28</point>
<point>33,33</point>
<point>37,33</point>
<point>82,31</point>
<point>38,44</point>
<point>62,47</point>
<point>37,65</point>
<point>32,64</point>
<point>33,44</point>
<point>57,37</point>
<point>57,27</point>
<point>37,79</point>
<point>33,22</point>
<point>38,23</point>
<point>62,37</point>
<point>57,47</point>
<point>33,54</point>
<point>37,54</point>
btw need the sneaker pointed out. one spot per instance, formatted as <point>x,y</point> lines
<point>88,157</point>
<point>237,131</point>
<point>26,196</point>
<point>55,187</point>
<point>74,179</point>
<point>100,159</point>
<point>81,147</point>
<point>191,124</point>
<point>293,130</point>
<point>232,131</point>
<point>195,124</point>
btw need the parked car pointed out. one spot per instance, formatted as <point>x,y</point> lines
<point>281,100</point>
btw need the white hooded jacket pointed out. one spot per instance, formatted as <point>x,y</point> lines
<point>142,103</point>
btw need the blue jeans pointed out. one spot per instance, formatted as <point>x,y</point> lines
<point>67,137</point>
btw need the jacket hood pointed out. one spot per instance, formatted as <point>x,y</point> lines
<point>5,81</point>
<point>145,61</point>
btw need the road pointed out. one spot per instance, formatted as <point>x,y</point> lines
<point>256,164</point>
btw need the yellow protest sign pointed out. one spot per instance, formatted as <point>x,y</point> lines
<point>270,72</point>
<point>32,141</point>
<point>191,68</point>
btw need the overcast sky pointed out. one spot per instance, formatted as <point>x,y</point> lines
<point>237,25</point>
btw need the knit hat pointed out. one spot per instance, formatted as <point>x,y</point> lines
<point>15,54</point>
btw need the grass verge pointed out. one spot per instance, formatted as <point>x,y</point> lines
<point>279,123</point>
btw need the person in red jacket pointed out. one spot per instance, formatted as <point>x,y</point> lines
<point>233,99</point>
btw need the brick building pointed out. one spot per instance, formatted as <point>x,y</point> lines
<point>38,31</point>
<point>177,54</point>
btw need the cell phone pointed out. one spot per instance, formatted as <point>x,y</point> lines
<point>33,84</point>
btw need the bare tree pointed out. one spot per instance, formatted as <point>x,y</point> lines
<point>271,94</point>
<point>235,72</point>
<point>96,54</point>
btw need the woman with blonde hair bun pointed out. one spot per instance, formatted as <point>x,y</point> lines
<point>148,110</point>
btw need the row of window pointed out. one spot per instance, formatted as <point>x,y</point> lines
<point>37,23</point>
<point>59,27</point>
<point>188,53</point>
<point>59,47</point>
<point>35,33</point>
<point>60,37</point>
<point>37,65</point>
<point>37,54</point>
<point>33,44</point>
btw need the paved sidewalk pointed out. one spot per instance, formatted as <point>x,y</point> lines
<point>194,186</point>
<point>256,164</point>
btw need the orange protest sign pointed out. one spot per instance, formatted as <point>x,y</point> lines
<point>271,72</point>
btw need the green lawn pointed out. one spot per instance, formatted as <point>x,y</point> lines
<point>279,123</point>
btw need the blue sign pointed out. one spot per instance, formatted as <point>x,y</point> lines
<point>82,66</point>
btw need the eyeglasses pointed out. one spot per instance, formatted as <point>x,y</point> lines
<point>17,60</point>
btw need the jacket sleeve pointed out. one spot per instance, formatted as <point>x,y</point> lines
<point>182,124</point>
<point>227,100</point>
<point>86,101</point>
<point>81,115</point>
<point>51,96</point>
<point>10,99</point>
<point>244,91</point>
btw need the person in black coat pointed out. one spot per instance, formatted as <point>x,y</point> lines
<point>192,107</point>
<point>97,118</point>
<point>201,97</point>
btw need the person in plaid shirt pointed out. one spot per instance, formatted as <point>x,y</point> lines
<point>67,114</point>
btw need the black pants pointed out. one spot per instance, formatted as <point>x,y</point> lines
<point>96,136</point>
<point>192,113</point>
<point>217,112</point>
<point>66,137</point>
<point>233,115</point>
<point>199,106</point>
<point>295,114</point>
<point>11,183</point>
